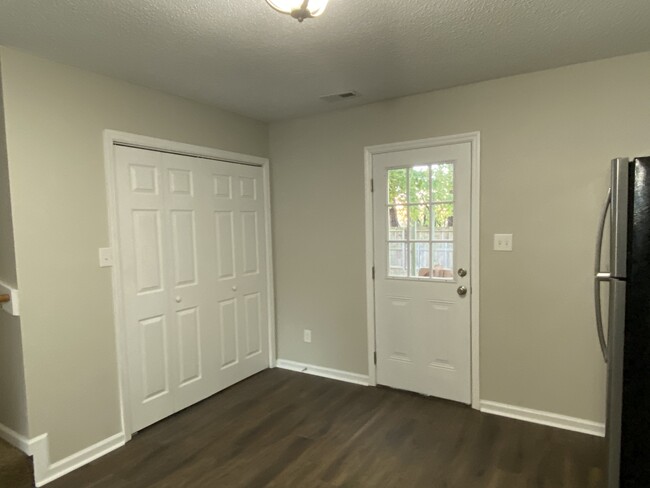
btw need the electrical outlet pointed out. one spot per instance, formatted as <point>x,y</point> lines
<point>105,257</point>
<point>307,335</point>
<point>503,242</point>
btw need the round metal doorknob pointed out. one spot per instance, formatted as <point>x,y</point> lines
<point>462,291</point>
<point>179,299</point>
<point>234,288</point>
<point>462,272</point>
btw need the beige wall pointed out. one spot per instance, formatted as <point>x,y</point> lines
<point>546,142</point>
<point>13,400</point>
<point>55,116</point>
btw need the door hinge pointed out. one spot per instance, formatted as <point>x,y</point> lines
<point>372,185</point>
<point>375,355</point>
<point>373,272</point>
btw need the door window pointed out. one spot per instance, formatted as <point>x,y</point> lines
<point>420,213</point>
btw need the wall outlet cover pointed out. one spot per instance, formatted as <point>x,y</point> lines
<point>105,257</point>
<point>307,335</point>
<point>503,242</point>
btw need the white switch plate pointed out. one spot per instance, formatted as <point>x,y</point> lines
<point>105,257</point>
<point>307,335</point>
<point>503,242</point>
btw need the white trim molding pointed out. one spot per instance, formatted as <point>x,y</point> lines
<point>17,440</point>
<point>112,138</point>
<point>334,374</point>
<point>46,472</point>
<point>544,418</point>
<point>474,139</point>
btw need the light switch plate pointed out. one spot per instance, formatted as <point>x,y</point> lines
<point>105,257</point>
<point>503,242</point>
<point>307,335</point>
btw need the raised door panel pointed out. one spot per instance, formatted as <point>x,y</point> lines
<point>225,235</point>
<point>439,323</point>
<point>144,178</point>
<point>153,358</point>
<point>228,328</point>
<point>181,182</point>
<point>398,331</point>
<point>248,188</point>
<point>147,244</point>
<point>184,245</point>
<point>253,316</point>
<point>250,241</point>
<point>189,345</point>
<point>222,186</point>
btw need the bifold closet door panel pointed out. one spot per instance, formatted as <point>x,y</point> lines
<point>144,251</point>
<point>190,261</point>
<point>238,209</point>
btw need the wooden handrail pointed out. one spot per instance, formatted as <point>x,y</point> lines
<point>5,298</point>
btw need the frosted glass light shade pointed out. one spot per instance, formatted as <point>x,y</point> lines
<point>299,9</point>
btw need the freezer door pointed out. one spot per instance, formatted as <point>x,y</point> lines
<point>618,224</point>
<point>635,429</point>
<point>616,342</point>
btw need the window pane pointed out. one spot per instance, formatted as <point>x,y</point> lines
<point>442,182</point>
<point>397,222</point>
<point>443,259</point>
<point>419,260</point>
<point>420,223</point>
<point>443,215</point>
<point>397,186</point>
<point>397,259</point>
<point>419,184</point>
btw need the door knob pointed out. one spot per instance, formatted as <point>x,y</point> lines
<point>234,288</point>
<point>178,299</point>
<point>462,291</point>
<point>462,272</point>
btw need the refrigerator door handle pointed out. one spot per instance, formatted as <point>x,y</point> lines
<point>599,277</point>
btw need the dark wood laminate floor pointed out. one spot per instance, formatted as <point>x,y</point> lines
<point>285,429</point>
<point>15,468</point>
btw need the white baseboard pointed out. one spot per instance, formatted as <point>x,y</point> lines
<point>335,374</point>
<point>17,440</point>
<point>44,472</point>
<point>544,418</point>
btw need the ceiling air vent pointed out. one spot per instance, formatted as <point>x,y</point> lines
<point>337,97</point>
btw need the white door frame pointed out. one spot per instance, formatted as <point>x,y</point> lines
<point>112,138</point>
<point>474,138</point>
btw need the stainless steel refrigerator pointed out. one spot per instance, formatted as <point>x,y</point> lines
<point>625,342</point>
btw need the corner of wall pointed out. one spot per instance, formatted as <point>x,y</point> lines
<point>13,392</point>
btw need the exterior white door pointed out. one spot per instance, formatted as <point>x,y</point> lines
<point>193,267</point>
<point>422,210</point>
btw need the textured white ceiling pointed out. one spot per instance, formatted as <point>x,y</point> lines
<point>243,56</point>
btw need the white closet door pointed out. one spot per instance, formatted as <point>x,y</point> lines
<point>194,277</point>
<point>241,293</point>
<point>145,251</point>
<point>188,275</point>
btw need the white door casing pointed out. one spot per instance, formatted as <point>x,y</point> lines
<point>421,327</point>
<point>193,273</point>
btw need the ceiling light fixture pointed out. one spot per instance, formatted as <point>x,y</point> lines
<point>299,9</point>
